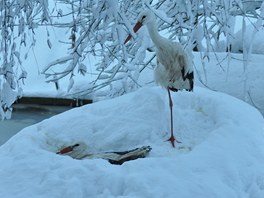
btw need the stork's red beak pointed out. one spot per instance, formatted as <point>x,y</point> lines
<point>136,28</point>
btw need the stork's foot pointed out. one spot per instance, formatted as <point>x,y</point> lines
<point>173,140</point>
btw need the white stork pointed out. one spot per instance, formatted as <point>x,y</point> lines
<point>174,69</point>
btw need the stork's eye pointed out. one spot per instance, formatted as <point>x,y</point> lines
<point>144,17</point>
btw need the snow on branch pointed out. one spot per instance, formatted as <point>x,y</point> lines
<point>17,19</point>
<point>103,25</point>
<point>98,28</point>
<point>246,7</point>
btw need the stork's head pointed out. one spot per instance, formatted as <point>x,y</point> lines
<point>145,17</point>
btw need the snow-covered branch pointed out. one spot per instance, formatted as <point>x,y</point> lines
<point>101,27</point>
<point>17,19</point>
<point>98,28</point>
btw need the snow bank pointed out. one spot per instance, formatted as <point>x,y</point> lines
<point>222,153</point>
<point>229,77</point>
<point>256,41</point>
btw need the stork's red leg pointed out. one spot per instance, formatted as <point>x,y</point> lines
<point>172,138</point>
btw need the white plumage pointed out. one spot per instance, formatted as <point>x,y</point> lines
<point>174,69</point>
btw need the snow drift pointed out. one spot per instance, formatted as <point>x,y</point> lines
<point>221,154</point>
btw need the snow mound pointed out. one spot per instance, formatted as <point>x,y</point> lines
<point>222,153</point>
<point>255,40</point>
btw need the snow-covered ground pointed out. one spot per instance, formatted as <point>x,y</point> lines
<point>221,154</point>
<point>230,77</point>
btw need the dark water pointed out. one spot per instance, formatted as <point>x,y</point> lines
<point>26,115</point>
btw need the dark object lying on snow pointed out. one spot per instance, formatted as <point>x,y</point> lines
<point>79,151</point>
<point>121,157</point>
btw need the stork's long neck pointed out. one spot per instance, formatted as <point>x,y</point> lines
<point>154,34</point>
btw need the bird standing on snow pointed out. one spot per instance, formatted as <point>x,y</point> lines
<point>174,69</point>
